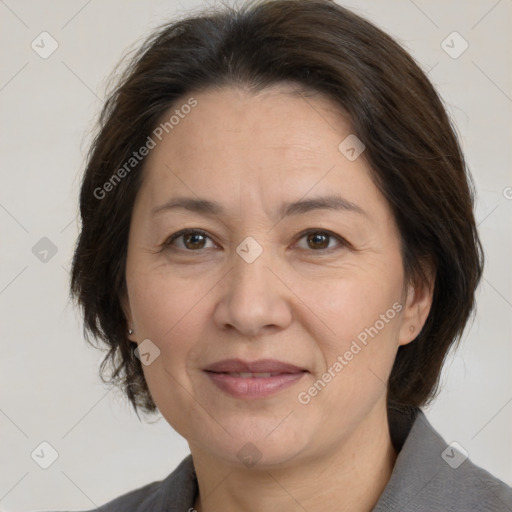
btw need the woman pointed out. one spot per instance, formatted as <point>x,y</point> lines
<point>278,246</point>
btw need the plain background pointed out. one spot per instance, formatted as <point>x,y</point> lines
<point>50,389</point>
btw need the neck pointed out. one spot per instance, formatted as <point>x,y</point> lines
<point>352,474</point>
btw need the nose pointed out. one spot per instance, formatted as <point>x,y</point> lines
<point>254,300</point>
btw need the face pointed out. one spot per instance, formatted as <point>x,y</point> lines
<point>264,268</point>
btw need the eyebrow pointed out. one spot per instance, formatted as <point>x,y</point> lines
<point>212,208</point>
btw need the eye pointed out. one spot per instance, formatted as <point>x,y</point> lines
<point>191,240</point>
<point>318,240</point>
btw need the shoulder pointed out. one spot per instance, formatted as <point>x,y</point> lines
<point>138,500</point>
<point>177,492</point>
<point>483,491</point>
<point>432,475</point>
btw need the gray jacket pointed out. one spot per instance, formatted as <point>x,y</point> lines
<point>429,476</point>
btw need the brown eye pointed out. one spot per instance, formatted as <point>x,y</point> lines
<point>318,240</point>
<point>321,241</point>
<point>190,240</point>
<point>194,241</point>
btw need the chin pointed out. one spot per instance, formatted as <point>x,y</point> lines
<point>257,456</point>
<point>257,445</point>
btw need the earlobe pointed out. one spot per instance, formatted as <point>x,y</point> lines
<point>130,334</point>
<point>125,306</point>
<point>417,307</point>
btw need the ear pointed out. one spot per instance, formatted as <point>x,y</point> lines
<point>417,304</point>
<point>125,306</point>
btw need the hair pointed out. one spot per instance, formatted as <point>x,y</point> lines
<point>411,149</point>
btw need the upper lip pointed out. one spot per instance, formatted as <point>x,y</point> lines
<point>259,366</point>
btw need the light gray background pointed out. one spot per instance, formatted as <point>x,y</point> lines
<point>49,386</point>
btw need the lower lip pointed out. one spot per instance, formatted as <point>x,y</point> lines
<point>254,387</point>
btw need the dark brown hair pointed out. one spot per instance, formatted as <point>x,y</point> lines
<point>411,149</point>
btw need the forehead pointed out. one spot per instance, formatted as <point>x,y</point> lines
<point>281,115</point>
<point>277,144</point>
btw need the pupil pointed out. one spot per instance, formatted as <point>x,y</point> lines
<point>195,242</point>
<point>319,240</point>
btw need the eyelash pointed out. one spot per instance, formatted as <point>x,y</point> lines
<point>342,242</point>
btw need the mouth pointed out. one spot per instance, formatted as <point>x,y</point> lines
<point>253,380</point>
<point>251,375</point>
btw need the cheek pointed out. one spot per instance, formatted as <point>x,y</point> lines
<point>160,301</point>
<point>169,312</point>
<point>362,315</point>
<point>172,314</point>
<point>351,304</point>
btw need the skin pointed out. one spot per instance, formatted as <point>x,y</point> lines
<point>199,302</point>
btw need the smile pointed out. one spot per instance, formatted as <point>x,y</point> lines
<point>250,380</point>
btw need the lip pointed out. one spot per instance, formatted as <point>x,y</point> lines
<point>259,366</point>
<point>286,375</point>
